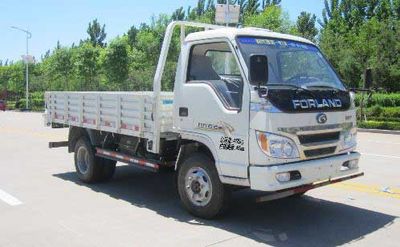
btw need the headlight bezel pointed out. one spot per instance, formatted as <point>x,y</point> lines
<point>277,146</point>
<point>352,100</point>
<point>349,139</point>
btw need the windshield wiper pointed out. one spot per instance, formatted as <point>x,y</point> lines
<point>294,87</point>
<point>324,86</point>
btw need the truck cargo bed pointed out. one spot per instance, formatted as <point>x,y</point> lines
<point>127,113</point>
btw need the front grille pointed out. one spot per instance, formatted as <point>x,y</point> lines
<point>316,138</point>
<point>319,152</point>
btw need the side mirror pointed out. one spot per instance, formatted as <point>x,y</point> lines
<point>368,78</point>
<point>258,72</point>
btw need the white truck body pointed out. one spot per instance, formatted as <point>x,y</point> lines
<point>268,138</point>
<point>127,113</point>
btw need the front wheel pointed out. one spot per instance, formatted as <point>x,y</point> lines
<point>199,187</point>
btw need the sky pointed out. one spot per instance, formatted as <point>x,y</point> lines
<point>66,21</point>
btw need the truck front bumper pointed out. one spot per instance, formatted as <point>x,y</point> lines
<point>264,178</point>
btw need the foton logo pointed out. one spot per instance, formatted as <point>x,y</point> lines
<point>316,104</point>
<point>322,118</point>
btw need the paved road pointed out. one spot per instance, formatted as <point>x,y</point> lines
<point>43,204</point>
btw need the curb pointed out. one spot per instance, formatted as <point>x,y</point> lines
<point>378,131</point>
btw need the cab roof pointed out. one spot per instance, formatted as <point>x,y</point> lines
<point>231,33</point>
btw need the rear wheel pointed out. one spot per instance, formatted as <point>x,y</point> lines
<point>89,167</point>
<point>200,189</point>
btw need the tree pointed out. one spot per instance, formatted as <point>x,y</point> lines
<point>384,10</point>
<point>88,66</point>
<point>242,4</point>
<point>396,8</point>
<point>58,46</point>
<point>62,66</point>
<point>331,10</point>
<point>200,9</point>
<point>251,7</point>
<point>210,5</point>
<point>355,34</point>
<point>46,55</point>
<point>272,18</point>
<point>267,3</point>
<point>385,58</point>
<point>361,34</point>
<point>132,34</point>
<point>97,33</point>
<point>178,15</point>
<point>116,62</point>
<point>306,26</point>
<point>356,12</point>
<point>190,14</point>
<point>12,77</point>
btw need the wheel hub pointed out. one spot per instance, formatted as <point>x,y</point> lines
<point>198,186</point>
<point>83,160</point>
<point>195,186</point>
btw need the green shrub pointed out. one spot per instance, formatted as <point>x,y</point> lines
<point>381,99</point>
<point>11,105</point>
<point>383,119</point>
<point>36,104</point>
<point>375,111</point>
<point>391,112</point>
<point>385,113</point>
<point>385,125</point>
<point>20,104</point>
<point>37,95</point>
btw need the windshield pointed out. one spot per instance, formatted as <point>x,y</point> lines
<point>291,62</point>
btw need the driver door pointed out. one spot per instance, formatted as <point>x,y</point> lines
<point>214,102</point>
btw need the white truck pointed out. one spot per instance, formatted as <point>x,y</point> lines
<point>250,108</point>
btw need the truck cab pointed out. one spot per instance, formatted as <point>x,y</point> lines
<point>268,106</point>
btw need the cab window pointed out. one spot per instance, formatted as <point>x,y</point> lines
<point>215,65</point>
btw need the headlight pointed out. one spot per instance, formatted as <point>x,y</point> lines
<point>349,139</point>
<point>276,146</point>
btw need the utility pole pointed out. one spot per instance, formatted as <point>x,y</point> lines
<point>26,60</point>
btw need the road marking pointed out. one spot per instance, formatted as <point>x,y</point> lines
<point>9,199</point>
<point>370,189</point>
<point>381,155</point>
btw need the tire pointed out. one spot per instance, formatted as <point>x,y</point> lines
<point>200,190</point>
<point>89,168</point>
<point>108,168</point>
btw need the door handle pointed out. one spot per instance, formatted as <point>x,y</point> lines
<point>183,112</point>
